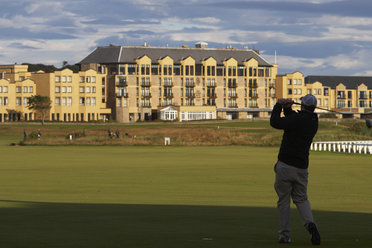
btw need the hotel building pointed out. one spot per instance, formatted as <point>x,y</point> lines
<point>184,83</point>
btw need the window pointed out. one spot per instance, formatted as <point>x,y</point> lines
<point>314,91</point>
<point>93,79</point>
<point>64,89</point>
<point>326,102</point>
<point>81,79</point>
<point>340,104</point>
<point>18,101</point>
<point>58,89</point>
<point>69,79</point>
<point>88,100</point>
<point>289,91</point>
<point>289,81</point>
<point>64,101</point>
<point>319,102</point>
<point>69,101</point>
<point>319,92</point>
<point>30,89</point>
<point>1,89</point>
<point>295,91</point>
<point>5,100</point>
<point>87,79</point>
<point>87,89</point>
<point>1,101</point>
<point>93,89</point>
<point>341,94</point>
<point>326,91</point>
<point>18,89</point>
<point>58,79</point>
<point>299,91</point>
<point>82,101</point>
<point>58,101</point>
<point>308,91</point>
<point>25,101</point>
<point>81,89</point>
<point>93,101</point>
<point>63,79</point>
<point>69,89</point>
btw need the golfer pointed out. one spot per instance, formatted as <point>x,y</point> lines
<point>293,160</point>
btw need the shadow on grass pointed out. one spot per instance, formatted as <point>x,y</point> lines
<point>37,224</point>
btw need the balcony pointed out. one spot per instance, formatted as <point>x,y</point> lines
<point>211,84</point>
<point>254,95</point>
<point>146,105</point>
<point>232,105</point>
<point>233,95</point>
<point>121,82</point>
<point>253,85</point>
<point>145,84</point>
<point>146,94</point>
<point>168,84</point>
<point>232,85</point>
<point>119,94</point>
<point>168,95</point>
<point>212,95</point>
<point>190,95</point>
<point>189,84</point>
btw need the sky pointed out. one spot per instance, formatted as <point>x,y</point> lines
<point>314,37</point>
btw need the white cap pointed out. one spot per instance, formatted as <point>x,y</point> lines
<point>309,100</point>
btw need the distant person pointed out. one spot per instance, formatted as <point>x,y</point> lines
<point>117,134</point>
<point>291,168</point>
<point>38,133</point>
<point>24,134</point>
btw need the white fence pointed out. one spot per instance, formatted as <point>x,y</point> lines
<point>343,146</point>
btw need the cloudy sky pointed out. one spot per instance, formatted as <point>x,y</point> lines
<point>315,37</point>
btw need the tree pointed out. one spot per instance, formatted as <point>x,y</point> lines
<point>40,104</point>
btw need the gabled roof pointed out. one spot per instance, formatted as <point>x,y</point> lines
<point>351,82</point>
<point>126,54</point>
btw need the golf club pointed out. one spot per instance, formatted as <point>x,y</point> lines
<point>368,122</point>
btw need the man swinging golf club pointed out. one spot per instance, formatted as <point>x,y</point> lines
<point>293,160</point>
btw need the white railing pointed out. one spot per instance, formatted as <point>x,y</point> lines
<point>343,146</point>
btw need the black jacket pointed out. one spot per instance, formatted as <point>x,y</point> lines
<point>299,130</point>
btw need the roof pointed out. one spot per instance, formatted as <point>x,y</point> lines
<point>128,54</point>
<point>351,82</point>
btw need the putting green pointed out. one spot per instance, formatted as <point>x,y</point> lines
<point>145,196</point>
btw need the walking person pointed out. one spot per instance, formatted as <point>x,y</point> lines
<point>291,168</point>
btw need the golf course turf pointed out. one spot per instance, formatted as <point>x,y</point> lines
<point>157,196</point>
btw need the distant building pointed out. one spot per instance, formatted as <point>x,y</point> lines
<point>75,96</point>
<point>234,83</point>
<point>352,96</point>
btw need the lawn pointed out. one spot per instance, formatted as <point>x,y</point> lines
<point>157,196</point>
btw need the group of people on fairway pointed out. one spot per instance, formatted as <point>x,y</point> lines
<point>291,169</point>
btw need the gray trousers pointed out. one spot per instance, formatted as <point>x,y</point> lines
<point>291,182</point>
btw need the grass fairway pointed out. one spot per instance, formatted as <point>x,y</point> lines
<point>148,196</point>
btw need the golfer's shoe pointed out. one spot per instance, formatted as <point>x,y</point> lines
<point>284,240</point>
<point>315,236</point>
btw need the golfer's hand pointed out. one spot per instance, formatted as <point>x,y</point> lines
<point>286,103</point>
